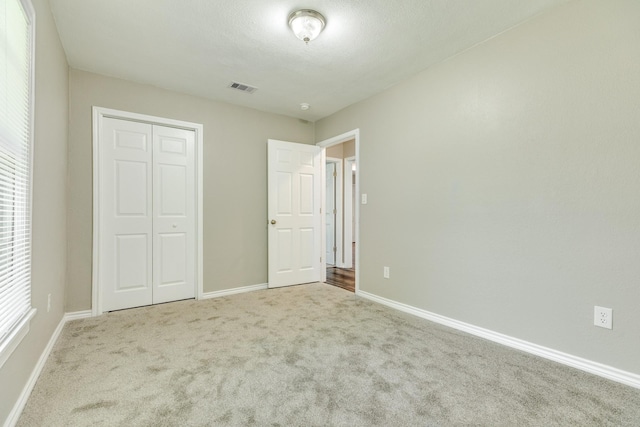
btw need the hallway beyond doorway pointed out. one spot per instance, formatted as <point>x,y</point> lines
<point>344,278</point>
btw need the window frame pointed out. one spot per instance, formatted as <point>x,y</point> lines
<point>11,341</point>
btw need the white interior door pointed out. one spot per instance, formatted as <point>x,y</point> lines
<point>294,191</point>
<point>125,267</point>
<point>147,214</point>
<point>174,205</point>
<point>330,213</point>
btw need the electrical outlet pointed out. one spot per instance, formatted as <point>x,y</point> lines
<point>49,303</point>
<point>603,317</point>
<point>364,199</point>
<point>385,272</point>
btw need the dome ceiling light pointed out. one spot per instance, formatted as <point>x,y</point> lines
<point>306,24</point>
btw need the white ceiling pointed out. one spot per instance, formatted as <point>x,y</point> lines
<point>200,46</point>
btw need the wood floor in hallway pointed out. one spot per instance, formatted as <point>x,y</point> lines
<point>344,278</point>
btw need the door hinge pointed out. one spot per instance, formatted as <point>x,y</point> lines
<point>320,260</point>
<point>335,173</point>
<point>335,211</point>
<point>320,210</point>
<point>335,249</point>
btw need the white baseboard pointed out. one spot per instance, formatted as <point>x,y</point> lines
<point>233,291</point>
<point>592,367</point>
<point>77,315</point>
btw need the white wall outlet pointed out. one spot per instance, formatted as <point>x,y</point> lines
<point>385,272</point>
<point>364,199</point>
<point>603,317</point>
<point>49,303</point>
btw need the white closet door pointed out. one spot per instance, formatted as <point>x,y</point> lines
<point>147,251</point>
<point>125,271</point>
<point>174,208</point>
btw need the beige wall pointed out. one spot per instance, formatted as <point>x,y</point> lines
<point>235,162</point>
<point>503,183</point>
<point>342,150</point>
<point>49,207</point>
<point>349,149</point>
<point>335,151</point>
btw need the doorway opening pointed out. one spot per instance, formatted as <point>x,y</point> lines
<point>341,211</point>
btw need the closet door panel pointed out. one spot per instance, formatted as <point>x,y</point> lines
<point>125,200</point>
<point>174,214</point>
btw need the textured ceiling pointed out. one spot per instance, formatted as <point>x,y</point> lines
<point>200,46</point>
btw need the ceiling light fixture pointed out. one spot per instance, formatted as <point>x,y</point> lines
<point>306,24</point>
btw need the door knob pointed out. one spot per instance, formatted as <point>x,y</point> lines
<point>175,225</point>
<point>273,221</point>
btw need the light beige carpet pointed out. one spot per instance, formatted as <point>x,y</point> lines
<point>311,355</point>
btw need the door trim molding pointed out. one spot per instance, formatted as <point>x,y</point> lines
<point>98,114</point>
<point>339,139</point>
<point>348,210</point>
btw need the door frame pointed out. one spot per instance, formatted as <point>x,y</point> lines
<point>339,262</point>
<point>98,114</point>
<point>349,207</point>
<point>339,139</point>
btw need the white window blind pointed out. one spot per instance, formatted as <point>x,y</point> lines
<point>16,61</point>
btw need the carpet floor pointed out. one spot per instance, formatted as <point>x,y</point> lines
<point>311,355</point>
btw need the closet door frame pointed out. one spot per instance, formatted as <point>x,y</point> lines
<point>99,113</point>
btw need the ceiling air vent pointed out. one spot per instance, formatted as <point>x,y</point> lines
<point>243,87</point>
